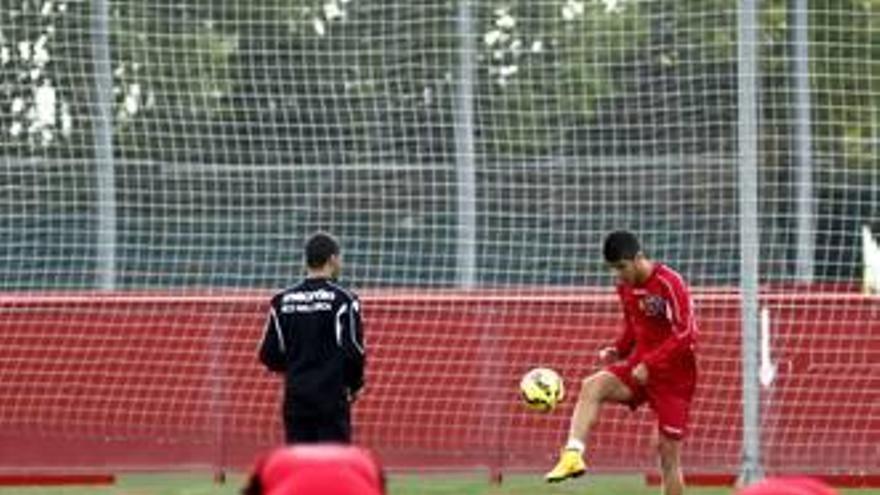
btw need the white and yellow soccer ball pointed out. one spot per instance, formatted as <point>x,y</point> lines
<point>542,389</point>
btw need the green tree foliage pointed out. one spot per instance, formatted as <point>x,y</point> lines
<point>845,73</point>
<point>277,80</point>
<point>45,77</point>
<point>302,86</point>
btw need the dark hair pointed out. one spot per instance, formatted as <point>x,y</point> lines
<point>320,247</point>
<point>621,245</point>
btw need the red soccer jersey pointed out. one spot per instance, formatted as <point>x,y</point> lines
<point>659,326</point>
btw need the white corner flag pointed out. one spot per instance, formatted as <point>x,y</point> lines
<point>767,371</point>
<point>871,261</point>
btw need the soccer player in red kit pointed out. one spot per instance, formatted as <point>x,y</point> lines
<point>651,362</point>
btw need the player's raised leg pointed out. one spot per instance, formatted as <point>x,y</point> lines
<point>669,453</point>
<point>596,389</point>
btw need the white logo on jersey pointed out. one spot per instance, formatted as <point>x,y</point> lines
<point>306,308</point>
<point>307,302</point>
<point>307,297</point>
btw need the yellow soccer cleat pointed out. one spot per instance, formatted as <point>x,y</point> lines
<point>571,465</point>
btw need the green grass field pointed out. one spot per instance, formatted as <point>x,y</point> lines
<point>192,484</point>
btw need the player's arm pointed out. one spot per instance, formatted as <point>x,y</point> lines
<point>679,311</point>
<point>350,334</point>
<point>625,342</point>
<point>273,352</point>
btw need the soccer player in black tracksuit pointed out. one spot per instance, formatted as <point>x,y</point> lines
<point>315,338</point>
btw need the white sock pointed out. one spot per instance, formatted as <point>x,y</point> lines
<point>575,444</point>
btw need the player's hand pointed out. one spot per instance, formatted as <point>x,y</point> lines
<point>608,355</point>
<point>640,374</point>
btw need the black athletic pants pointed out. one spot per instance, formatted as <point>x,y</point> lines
<point>313,428</point>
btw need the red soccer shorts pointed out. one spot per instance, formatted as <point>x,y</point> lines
<point>670,402</point>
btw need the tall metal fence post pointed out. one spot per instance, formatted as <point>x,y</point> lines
<point>803,141</point>
<point>747,56</point>
<point>466,234</point>
<point>104,168</point>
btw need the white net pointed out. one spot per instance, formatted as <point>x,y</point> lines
<point>819,143</point>
<point>470,156</point>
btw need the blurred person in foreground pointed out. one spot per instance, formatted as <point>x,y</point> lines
<point>788,486</point>
<point>329,469</point>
